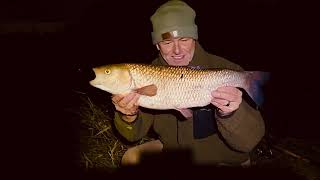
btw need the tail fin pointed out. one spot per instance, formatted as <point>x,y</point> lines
<point>255,81</point>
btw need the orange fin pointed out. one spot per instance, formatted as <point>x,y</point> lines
<point>150,90</point>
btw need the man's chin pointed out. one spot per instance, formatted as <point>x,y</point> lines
<point>180,62</point>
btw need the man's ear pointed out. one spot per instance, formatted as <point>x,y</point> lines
<point>157,46</point>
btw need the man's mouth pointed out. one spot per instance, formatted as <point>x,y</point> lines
<point>178,57</point>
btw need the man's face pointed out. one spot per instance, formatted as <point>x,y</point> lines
<point>177,51</point>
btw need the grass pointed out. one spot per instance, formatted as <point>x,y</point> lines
<point>102,147</point>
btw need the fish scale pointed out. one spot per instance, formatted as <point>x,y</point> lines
<point>177,86</point>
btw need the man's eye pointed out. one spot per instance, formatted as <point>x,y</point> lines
<point>166,42</point>
<point>184,39</point>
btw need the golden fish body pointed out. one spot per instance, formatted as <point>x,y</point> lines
<point>176,87</point>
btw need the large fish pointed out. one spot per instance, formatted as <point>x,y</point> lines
<point>174,87</point>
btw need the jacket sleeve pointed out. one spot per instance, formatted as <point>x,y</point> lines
<point>136,130</point>
<point>140,127</point>
<point>244,129</point>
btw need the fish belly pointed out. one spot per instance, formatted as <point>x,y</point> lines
<point>180,87</point>
<point>176,98</point>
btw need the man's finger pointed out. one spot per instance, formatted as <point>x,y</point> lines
<point>224,95</point>
<point>133,101</point>
<point>229,89</point>
<point>223,107</point>
<point>220,101</point>
<point>186,112</point>
<point>126,99</point>
<point>116,98</point>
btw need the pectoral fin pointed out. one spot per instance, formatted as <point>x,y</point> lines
<point>150,90</point>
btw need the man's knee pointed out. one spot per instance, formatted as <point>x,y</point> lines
<point>246,163</point>
<point>131,157</point>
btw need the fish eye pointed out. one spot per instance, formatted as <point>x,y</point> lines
<point>107,71</point>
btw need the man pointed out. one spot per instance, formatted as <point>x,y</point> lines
<point>222,133</point>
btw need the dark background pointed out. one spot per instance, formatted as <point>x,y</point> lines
<point>41,69</point>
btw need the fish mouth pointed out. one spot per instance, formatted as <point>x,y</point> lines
<point>95,83</point>
<point>93,77</point>
<point>92,83</point>
<point>98,85</point>
<point>90,74</point>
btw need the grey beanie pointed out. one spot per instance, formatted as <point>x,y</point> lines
<point>173,19</point>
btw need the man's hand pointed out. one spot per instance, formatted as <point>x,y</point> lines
<point>226,99</point>
<point>127,105</point>
<point>187,113</point>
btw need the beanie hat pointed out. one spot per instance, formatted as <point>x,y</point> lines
<point>173,19</point>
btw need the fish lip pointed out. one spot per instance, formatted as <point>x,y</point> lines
<point>93,82</point>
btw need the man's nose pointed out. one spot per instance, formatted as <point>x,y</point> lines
<point>176,47</point>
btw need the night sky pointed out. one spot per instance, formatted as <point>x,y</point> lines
<point>268,35</point>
